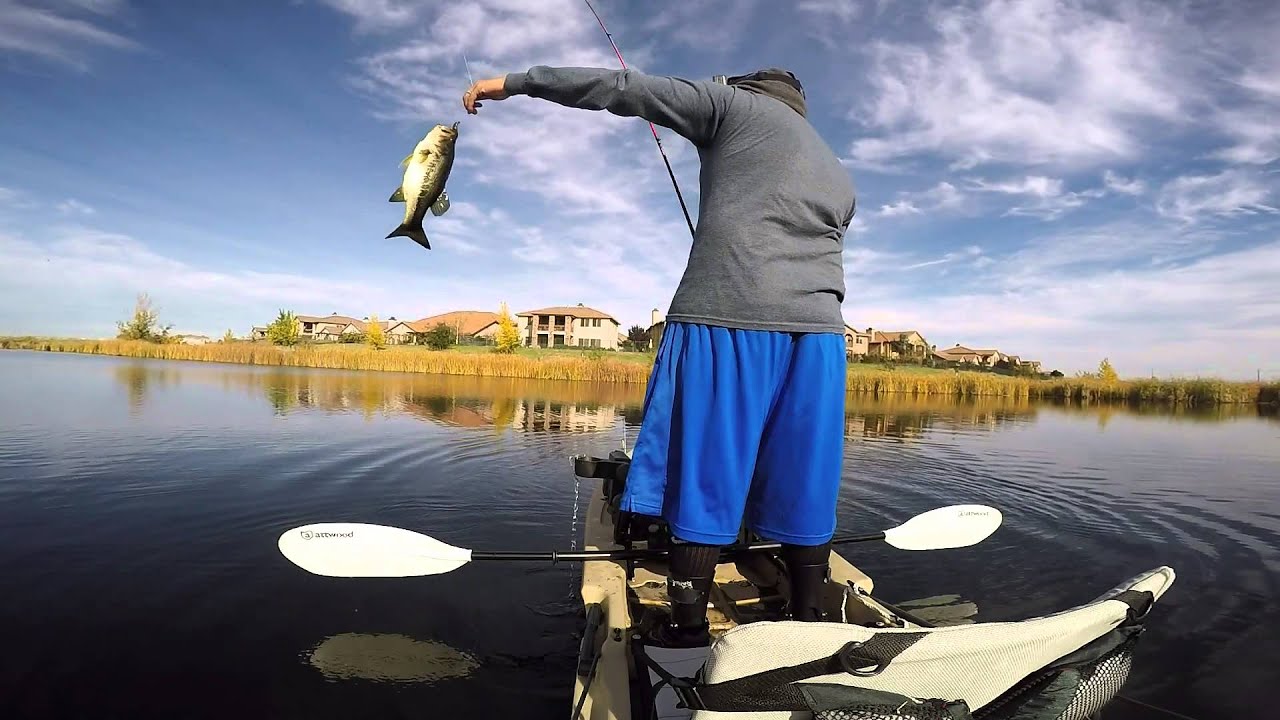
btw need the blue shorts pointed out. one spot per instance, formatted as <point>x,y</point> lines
<point>742,421</point>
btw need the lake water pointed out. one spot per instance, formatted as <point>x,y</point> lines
<point>140,503</point>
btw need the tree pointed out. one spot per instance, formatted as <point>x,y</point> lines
<point>1106,373</point>
<point>284,329</point>
<point>143,324</point>
<point>373,333</point>
<point>638,336</point>
<point>228,337</point>
<point>508,337</point>
<point>440,337</point>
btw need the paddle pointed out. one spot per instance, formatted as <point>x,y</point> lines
<point>365,550</point>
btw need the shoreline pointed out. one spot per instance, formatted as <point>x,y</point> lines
<point>634,368</point>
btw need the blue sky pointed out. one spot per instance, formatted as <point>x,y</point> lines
<point>1063,181</point>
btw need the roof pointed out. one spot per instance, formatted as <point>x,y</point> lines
<point>580,311</point>
<point>855,330</point>
<point>882,337</point>
<point>338,319</point>
<point>468,322</point>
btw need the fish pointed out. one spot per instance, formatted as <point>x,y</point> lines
<point>426,170</point>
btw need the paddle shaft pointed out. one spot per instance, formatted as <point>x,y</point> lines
<point>641,554</point>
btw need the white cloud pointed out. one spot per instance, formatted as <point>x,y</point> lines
<point>901,207</point>
<point>1118,184</point>
<point>71,206</point>
<point>1027,82</point>
<point>1208,316</point>
<point>52,31</point>
<point>943,196</point>
<point>1228,193</point>
<point>825,11</point>
<point>1048,201</point>
<point>971,253</point>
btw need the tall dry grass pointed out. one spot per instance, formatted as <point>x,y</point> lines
<point>358,357</point>
<point>1194,392</point>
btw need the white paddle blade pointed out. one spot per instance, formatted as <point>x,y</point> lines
<point>362,550</point>
<point>945,527</point>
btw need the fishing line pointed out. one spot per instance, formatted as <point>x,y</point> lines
<point>653,129</point>
<point>468,66</point>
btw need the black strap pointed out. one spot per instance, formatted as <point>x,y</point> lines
<point>1139,602</point>
<point>776,689</point>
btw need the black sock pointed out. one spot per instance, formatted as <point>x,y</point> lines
<point>693,568</point>
<point>807,567</point>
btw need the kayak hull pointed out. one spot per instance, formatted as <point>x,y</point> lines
<point>606,681</point>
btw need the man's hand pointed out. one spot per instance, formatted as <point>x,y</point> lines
<point>490,89</point>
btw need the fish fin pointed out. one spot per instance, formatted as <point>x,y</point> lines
<point>441,205</point>
<point>415,234</point>
<point>397,196</point>
<point>409,158</point>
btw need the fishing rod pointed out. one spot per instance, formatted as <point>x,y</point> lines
<point>652,129</point>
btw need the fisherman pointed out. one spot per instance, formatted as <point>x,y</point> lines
<point>743,417</point>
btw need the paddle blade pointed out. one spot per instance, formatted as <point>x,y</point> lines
<point>946,527</point>
<point>362,550</point>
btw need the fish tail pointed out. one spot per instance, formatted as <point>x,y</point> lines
<point>416,234</point>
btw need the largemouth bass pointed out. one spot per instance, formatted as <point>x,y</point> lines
<point>426,170</point>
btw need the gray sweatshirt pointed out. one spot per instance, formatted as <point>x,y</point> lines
<point>774,199</point>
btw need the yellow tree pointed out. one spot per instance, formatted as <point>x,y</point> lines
<point>373,333</point>
<point>1107,373</point>
<point>508,337</point>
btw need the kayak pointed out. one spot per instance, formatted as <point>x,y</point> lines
<point>617,594</point>
<point>872,660</point>
<point>869,660</point>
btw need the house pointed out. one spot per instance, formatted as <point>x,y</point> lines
<point>397,332</point>
<point>897,344</point>
<point>312,327</point>
<point>563,326</point>
<point>990,356</point>
<point>657,323</point>
<point>960,354</point>
<point>465,323</point>
<point>856,342</point>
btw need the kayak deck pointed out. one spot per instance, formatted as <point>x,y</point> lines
<point>734,599</point>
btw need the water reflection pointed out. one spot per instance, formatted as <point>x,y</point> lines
<point>389,657</point>
<point>568,407</point>
<point>909,417</point>
<point>139,379</point>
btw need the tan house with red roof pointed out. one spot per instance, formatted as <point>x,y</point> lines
<point>466,323</point>
<point>897,344</point>
<point>856,342</point>
<point>568,326</point>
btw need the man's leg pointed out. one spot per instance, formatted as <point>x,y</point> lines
<point>698,443</point>
<point>793,500</point>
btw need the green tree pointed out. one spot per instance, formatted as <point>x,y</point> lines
<point>440,337</point>
<point>228,337</point>
<point>638,336</point>
<point>508,337</point>
<point>144,323</point>
<point>1106,373</point>
<point>284,329</point>
<point>373,333</point>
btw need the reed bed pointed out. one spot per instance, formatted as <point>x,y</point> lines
<point>359,357</point>
<point>601,368</point>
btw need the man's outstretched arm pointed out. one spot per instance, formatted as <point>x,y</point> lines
<point>692,109</point>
